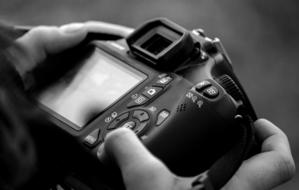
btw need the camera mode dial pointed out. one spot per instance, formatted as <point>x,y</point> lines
<point>231,87</point>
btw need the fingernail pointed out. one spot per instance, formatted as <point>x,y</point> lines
<point>72,28</point>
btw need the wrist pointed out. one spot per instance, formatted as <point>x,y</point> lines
<point>8,72</point>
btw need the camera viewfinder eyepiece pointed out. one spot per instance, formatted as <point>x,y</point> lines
<point>162,43</point>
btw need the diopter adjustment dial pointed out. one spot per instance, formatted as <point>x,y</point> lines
<point>231,87</point>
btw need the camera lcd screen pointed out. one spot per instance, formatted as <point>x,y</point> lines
<point>80,96</point>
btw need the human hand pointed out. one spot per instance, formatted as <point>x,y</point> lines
<point>29,50</point>
<point>268,169</point>
<point>41,41</point>
<point>141,170</point>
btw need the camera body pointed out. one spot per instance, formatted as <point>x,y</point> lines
<point>174,88</point>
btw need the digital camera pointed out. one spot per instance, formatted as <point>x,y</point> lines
<point>174,88</point>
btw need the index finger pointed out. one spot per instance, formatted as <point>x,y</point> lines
<point>91,26</point>
<point>273,138</point>
<point>276,150</point>
<point>103,27</point>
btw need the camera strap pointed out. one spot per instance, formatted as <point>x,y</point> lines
<point>226,166</point>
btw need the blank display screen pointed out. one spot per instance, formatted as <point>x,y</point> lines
<point>100,82</point>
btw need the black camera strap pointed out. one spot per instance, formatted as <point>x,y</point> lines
<point>226,166</point>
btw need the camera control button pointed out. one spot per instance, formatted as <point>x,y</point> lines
<point>140,115</point>
<point>202,85</point>
<point>151,92</point>
<point>162,116</point>
<point>140,127</point>
<point>140,100</point>
<point>211,92</point>
<point>92,138</point>
<point>163,81</point>
<point>118,120</point>
<point>130,124</point>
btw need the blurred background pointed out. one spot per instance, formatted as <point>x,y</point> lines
<point>261,38</point>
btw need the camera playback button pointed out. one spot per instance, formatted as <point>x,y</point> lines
<point>140,100</point>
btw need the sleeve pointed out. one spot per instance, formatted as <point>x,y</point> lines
<point>17,152</point>
<point>8,72</point>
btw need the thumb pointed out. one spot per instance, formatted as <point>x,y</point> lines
<point>140,169</point>
<point>123,146</point>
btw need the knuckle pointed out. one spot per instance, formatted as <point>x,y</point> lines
<point>41,31</point>
<point>287,167</point>
<point>283,136</point>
